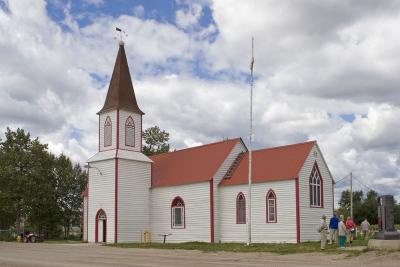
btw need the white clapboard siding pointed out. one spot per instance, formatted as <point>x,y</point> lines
<point>239,147</point>
<point>85,210</point>
<point>137,118</point>
<point>113,117</point>
<point>102,196</point>
<point>284,231</point>
<point>133,199</point>
<point>197,212</point>
<point>122,154</point>
<point>311,216</point>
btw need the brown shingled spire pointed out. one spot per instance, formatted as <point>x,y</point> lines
<point>120,93</point>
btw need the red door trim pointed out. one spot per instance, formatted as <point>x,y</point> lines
<point>97,226</point>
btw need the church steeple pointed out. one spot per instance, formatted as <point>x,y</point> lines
<point>120,93</point>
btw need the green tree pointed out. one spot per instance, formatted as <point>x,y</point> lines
<point>156,141</point>
<point>70,182</point>
<point>397,213</point>
<point>37,187</point>
<point>370,207</point>
<point>6,213</point>
<point>344,204</point>
<point>362,207</point>
<point>43,215</point>
<point>18,169</point>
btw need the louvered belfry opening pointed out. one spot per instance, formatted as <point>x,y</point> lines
<point>234,165</point>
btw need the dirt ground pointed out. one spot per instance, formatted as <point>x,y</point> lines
<point>19,254</point>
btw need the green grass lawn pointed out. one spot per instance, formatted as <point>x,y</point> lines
<point>307,247</point>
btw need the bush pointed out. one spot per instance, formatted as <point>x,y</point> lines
<point>7,235</point>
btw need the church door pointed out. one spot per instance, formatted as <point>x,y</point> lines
<point>101,226</point>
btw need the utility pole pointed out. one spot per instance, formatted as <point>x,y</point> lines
<point>351,195</point>
<point>250,145</point>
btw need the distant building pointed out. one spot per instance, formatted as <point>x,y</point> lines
<point>199,193</point>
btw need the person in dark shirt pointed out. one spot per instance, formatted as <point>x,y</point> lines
<point>333,228</point>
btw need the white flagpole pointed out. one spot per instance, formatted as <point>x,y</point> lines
<point>250,144</point>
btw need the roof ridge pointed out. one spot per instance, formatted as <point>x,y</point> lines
<point>196,147</point>
<point>284,146</point>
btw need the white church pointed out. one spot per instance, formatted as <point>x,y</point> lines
<point>198,193</point>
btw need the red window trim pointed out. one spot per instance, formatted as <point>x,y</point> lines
<point>267,205</point>
<point>237,208</point>
<point>97,225</point>
<point>134,131</point>
<point>322,187</point>
<point>184,213</point>
<point>104,137</point>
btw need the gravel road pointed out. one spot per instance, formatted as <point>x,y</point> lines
<point>61,255</point>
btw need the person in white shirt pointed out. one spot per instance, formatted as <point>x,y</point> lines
<point>365,226</point>
<point>323,230</point>
<point>342,230</point>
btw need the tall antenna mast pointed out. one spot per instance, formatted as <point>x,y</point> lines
<point>250,142</point>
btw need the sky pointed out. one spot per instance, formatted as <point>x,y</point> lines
<point>324,70</point>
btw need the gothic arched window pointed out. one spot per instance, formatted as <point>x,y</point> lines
<point>240,209</point>
<point>129,132</point>
<point>271,207</point>
<point>178,213</point>
<point>107,132</point>
<point>316,188</point>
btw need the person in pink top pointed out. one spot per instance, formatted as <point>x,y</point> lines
<point>351,230</point>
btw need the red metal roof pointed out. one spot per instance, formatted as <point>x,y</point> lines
<point>191,165</point>
<point>277,163</point>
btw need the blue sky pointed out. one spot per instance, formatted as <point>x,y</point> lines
<point>159,10</point>
<point>162,11</point>
<point>325,71</point>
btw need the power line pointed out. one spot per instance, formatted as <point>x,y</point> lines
<point>366,186</point>
<point>338,181</point>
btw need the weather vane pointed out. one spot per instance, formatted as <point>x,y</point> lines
<point>121,34</point>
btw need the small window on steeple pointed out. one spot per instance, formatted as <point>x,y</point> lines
<point>129,132</point>
<point>107,132</point>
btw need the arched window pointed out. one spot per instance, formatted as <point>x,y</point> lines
<point>129,132</point>
<point>107,132</point>
<point>178,213</point>
<point>240,209</point>
<point>316,189</point>
<point>271,207</point>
